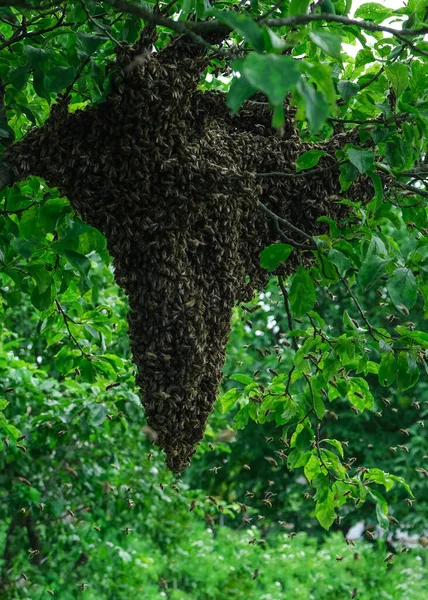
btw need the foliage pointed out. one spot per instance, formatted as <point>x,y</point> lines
<point>333,363</point>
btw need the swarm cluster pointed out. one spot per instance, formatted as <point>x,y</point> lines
<point>167,174</point>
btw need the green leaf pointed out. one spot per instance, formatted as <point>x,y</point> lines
<point>317,108</point>
<point>336,444</point>
<point>52,212</point>
<point>245,26</point>
<point>403,483</point>
<point>398,75</point>
<point>372,11</point>
<point>272,74</point>
<point>347,89</point>
<point>348,173</point>
<point>241,378</point>
<point>378,476</point>
<point>319,405</point>
<point>278,117</point>
<point>240,90</point>
<point>58,78</point>
<point>341,261</point>
<point>387,369</point>
<point>8,428</point>
<point>324,511</point>
<point>403,288</point>
<point>371,271</point>
<point>327,41</point>
<point>302,293</point>
<point>66,359</point>
<point>42,301</point>
<point>89,44</point>
<point>362,159</point>
<point>378,187</point>
<point>308,159</point>
<point>6,132</point>
<point>23,247</point>
<point>274,255</point>
<point>81,262</point>
<point>298,7</point>
<point>359,393</point>
<point>37,58</point>
<point>272,42</point>
<point>228,399</point>
<point>408,372</point>
<point>399,153</point>
<point>41,276</point>
<point>312,468</point>
<point>381,508</point>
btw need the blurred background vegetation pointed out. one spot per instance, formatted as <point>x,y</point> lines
<point>88,506</point>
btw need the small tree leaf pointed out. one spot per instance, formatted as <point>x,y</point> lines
<point>302,293</point>
<point>308,159</point>
<point>387,369</point>
<point>272,74</point>
<point>327,41</point>
<point>403,288</point>
<point>362,159</point>
<point>275,254</point>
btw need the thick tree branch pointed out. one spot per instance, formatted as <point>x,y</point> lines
<point>216,25</point>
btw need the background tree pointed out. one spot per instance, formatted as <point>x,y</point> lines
<point>319,180</point>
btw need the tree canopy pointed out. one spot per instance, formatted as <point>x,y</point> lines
<point>185,183</point>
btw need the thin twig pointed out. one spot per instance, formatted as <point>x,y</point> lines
<point>309,173</point>
<point>288,311</point>
<point>372,330</point>
<point>66,320</point>
<point>98,25</point>
<point>287,224</point>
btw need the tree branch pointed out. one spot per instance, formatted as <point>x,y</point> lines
<point>216,25</point>
<point>287,224</point>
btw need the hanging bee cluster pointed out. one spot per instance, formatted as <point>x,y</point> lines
<point>168,175</point>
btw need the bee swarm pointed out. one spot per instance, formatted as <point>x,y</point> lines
<point>167,174</point>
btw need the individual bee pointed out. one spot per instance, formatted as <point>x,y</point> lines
<point>404,448</point>
<point>82,586</point>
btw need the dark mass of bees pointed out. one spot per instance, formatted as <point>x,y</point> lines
<point>167,174</point>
